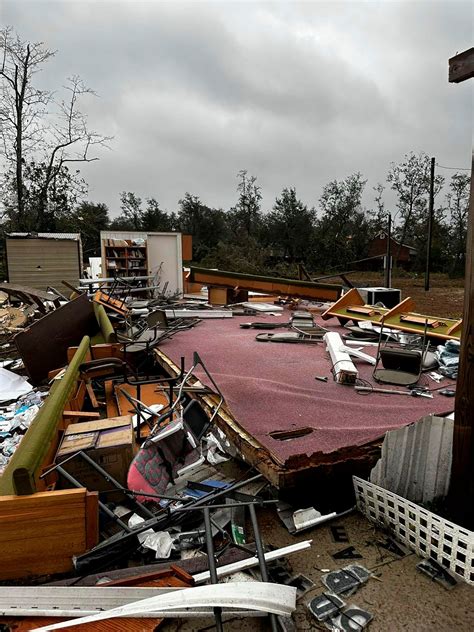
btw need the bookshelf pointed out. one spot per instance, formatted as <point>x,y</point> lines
<point>123,257</point>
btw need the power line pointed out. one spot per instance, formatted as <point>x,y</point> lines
<point>453,168</point>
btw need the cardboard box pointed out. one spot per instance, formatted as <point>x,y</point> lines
<point>108,442</point>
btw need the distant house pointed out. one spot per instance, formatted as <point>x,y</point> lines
<point>402,255</point>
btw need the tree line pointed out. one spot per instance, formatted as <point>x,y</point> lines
<point>45,138</point>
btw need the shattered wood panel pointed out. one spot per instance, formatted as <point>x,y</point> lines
<point>416,460</point>
<point>43,346</point>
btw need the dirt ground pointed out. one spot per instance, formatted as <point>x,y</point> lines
<point>398,596</point>
<point>444,298</point>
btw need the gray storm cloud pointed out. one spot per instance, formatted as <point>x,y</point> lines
<point>297,93</point>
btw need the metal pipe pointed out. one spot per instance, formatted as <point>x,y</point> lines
<point>164,514</point>
<point>212,563</point>
<point>388,257</point>
<point>102,505</point>
<point>109,478</point>
<point>261,558</point>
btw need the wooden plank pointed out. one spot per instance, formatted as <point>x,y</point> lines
<point>407,305</point>
<point>41,499</point>
<point>352,297</point>
<point>41,532</point>
<point>129,624</point>
<point>83,414</point>
<point>172,577</point>
<point>114,304</point>
<point>457,327</point>
<point>111,402</point>
<point>461,67</point>
<point>90,392</point>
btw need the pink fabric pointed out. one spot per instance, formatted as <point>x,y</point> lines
<point>138,483</point>
<point>270,387</point>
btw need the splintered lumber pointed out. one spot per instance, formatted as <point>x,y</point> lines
<point>343,368</point>
<point>40,533</point>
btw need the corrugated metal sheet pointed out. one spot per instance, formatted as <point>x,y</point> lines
<point>40,263</point>
<point>416,460</point>
<point>74,236</point>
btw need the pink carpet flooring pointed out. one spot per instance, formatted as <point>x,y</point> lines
<point>271,387</point>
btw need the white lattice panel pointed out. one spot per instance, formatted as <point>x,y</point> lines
<point>427,534</point>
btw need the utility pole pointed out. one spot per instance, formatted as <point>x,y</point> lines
<point>430,226</point>
<point>461,491</point>
<point>388,256</point>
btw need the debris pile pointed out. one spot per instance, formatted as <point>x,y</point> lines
<point>161,435</point>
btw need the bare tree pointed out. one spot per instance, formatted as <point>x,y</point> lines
<point>35,126</point>
<point>22,106</point>
<point>458,207</point>
<point>411,182</point>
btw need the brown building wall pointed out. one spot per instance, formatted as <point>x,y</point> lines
<point>378,246</point>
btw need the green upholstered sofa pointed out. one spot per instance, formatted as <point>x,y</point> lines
<point>106,331</point>
<point>21,475</point>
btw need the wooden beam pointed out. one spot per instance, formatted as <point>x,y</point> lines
<point>462,473</point>
<point>461,491</point>
<point>267,285</point>
<point>461,67</point>
<point>81,413</point>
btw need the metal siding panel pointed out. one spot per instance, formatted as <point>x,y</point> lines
<point>416,460</point>
<point>39,263</point>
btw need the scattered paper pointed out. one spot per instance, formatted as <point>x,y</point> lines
<point>12,386</point>
<point>159,541</point>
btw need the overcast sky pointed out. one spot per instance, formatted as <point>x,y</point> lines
<point>297,93</point>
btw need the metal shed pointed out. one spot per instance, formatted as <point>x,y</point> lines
<point>40,260</point>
